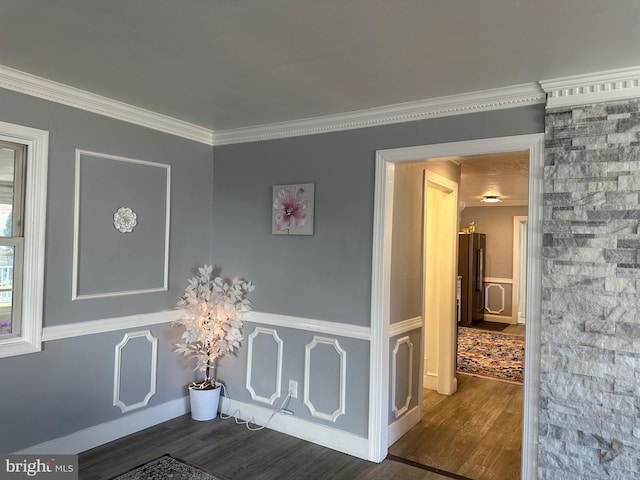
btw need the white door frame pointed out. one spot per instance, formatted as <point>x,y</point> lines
<point>381,280</point>
<point>515,276</point>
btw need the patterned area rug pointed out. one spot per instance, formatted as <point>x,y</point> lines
<point>166,467</point>
<point>491,354</point>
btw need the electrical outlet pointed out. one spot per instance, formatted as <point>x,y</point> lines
<point>293,388</point>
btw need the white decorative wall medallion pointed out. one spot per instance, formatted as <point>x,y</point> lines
<point>125,219</point>
<point>117,402</point>
<point>394,372</point>
<point>332,416</point>
<point>278,365</point>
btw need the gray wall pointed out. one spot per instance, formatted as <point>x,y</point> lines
<point>69,385</point>
<point>326,276</point>
<point>496,222</point>
<point>589,398</point>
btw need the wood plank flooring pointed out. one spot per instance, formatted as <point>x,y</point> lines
<point>475,434</point>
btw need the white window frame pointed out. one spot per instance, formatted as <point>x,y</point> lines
<point>29,339</point>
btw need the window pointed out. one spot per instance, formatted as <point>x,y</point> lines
<point>23,185</point>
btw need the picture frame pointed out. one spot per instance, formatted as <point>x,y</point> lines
<point>292,209</point>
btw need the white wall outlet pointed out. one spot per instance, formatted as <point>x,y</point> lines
<point>293,388</point>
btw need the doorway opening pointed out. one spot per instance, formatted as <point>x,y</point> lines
<point>382,426</point>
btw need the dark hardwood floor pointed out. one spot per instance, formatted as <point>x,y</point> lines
<point>475,434</point>
<point>229,450</point>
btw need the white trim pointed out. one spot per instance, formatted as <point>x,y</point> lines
<point>35,209</point>
<point>117,402</point>
<point>398,412</point>
<point>340,410</point>
<point>323,435</point>
<point>34,86</point>
<point>278,384</point>
<point>104,325</point>
<point>499,319</point>
<point>405,326</point>
<point>605,86</point>
<point>515,304</point>
<point>486,100</point>
<point>97,435</point>
<point>379,357</point>
<point>319,326</point>
<point>76,227</point>
<point>486,298</point>
<point>398,428</point>
<point>504,281</point>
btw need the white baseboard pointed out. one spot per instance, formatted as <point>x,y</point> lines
<point>401,426</point>
<point>430,381</point>
<point>312,432</point>
<point>97,435</point>
<point>498,319</point>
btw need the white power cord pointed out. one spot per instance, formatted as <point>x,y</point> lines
<point>283,410</point>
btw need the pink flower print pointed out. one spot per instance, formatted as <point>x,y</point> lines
<point>290,207</point>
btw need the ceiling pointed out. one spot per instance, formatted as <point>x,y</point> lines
<point>225,64</point>
<point>505,175</point>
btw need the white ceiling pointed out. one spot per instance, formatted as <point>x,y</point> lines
<point>224,64</point>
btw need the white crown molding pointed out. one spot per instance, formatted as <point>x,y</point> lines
<point>609,85</point>
<point>278,383</point>
<point>494,99</point>
<point>34,86</point>
<point>117,401</point>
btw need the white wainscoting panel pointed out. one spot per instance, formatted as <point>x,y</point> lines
<point>487,293</point>
<point>394,375</point>
<point>277,364</point>
<point>319,326</point>
<point>332,416</point>
<point>117,402</point>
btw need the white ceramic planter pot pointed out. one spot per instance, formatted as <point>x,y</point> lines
<point>204,403</point>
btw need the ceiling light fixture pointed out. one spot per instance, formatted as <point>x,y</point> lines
<point>491,199</point>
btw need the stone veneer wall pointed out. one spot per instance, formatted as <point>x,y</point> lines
<point>590,330</point>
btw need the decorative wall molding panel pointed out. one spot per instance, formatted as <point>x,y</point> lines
<point>97,435</point>
<point>487,297</point>
<point>340,410</point>
<point>306,324</point>
<point>499,98</point>
<point>406,341</point>
<point>84,155</point>
<point>597,87</point>
<point>104,325</point>
<point>117,375</point>
<point>28,84</point>
<point>277,364</point>
<point>400,328</point>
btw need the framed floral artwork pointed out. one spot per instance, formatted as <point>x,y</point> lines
<point>292,209</point>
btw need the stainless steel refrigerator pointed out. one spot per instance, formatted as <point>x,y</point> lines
<point>471,248</point>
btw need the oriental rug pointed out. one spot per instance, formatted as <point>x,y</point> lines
<point>495,355</point>
<point>166,467</point>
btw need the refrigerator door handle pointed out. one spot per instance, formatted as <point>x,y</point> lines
<point>480,270</point>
